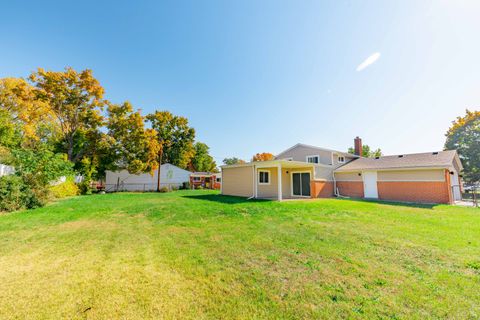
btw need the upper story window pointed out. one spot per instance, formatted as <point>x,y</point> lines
<point>263,177</point>
<point>313,159</point>
<point>341,159</point>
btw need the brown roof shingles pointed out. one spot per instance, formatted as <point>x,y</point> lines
<point>440,159</point>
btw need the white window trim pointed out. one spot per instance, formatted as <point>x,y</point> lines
<point>269,178</point>
<point>197,179</point>
<point>338,159</point>
<point>218,179</point>
<point>312,156</point>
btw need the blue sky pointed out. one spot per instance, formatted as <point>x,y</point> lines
<point>255,76</point>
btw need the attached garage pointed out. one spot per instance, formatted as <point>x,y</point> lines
<point>424,177</point>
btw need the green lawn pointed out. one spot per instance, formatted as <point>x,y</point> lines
<point>199,255</point>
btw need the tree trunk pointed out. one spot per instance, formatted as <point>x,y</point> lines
<point>160,156</point>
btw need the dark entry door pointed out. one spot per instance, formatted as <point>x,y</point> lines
<point>301,184</point>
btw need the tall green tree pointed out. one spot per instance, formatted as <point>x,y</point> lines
<point>175,139</point>
<point>202,160</point>
<point>367,152</point>
<point>133,147</point>
<point>232,160</point>
<point>75,99</point>
<point>464,136</point>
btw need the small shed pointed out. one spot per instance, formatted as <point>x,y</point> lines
<point>170,176</point>
<point>206,180</point>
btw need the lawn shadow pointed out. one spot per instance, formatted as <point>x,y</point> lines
<point>224,199</point>
<point>402,204</point>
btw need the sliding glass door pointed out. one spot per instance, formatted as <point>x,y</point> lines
<point>301,184</point>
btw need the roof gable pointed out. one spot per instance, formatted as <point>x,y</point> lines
<point>316,148</point>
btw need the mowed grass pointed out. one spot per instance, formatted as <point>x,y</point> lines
<point>200,255</point>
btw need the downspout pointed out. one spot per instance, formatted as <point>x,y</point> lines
<point>335,192</point>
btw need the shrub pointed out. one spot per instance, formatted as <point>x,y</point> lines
<point>84,187</point>
<point>11,193</point>
<point>30,186</point>
<point>16,194</point>
<point>163,189</point>
<point>65,189</point>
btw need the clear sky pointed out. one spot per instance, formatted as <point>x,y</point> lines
<point>260,76</point>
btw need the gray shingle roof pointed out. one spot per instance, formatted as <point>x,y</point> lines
<point>442,159</point>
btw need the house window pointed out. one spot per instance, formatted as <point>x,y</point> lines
<point>341,159</point>
<point>219,180</point>
<point>264,177</point>
<point>196,179</point>
<point>313,159</point>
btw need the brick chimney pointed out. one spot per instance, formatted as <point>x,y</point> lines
<point>358,146</point>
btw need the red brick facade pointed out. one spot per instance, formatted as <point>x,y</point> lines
<point>410,191</point>
<point>402,191</point>
<point>321,189</point>
<point>417,191</point>
<point>406,191</point>
<point>352,189</point>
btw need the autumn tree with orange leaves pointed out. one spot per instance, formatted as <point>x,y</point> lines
<point>264,156</point>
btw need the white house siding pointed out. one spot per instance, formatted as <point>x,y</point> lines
<point>326,157</point>
<point>300,153</point>
<point>170,176</point>
<point>269,190</point>
<point>324,173</point>
<point>412,175</point>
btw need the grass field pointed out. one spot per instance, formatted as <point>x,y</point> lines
<point>199,255</point>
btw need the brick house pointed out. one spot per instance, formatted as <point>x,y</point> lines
<point>314,172</point>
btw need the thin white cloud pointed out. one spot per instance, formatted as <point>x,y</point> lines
<point>370,60</point>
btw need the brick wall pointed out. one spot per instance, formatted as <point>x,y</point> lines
<point>417,191</point>
<point>321,189</point>
<point>352,189</point>
<point>426,192</point>
<point>407,191</point>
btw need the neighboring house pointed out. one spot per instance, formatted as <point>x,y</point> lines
<point>170,176</point>
<point>5,170</point>
<point>206,180</point>
<point>313,172</point>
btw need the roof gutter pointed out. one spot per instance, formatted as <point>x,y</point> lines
<point>393,169</point>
